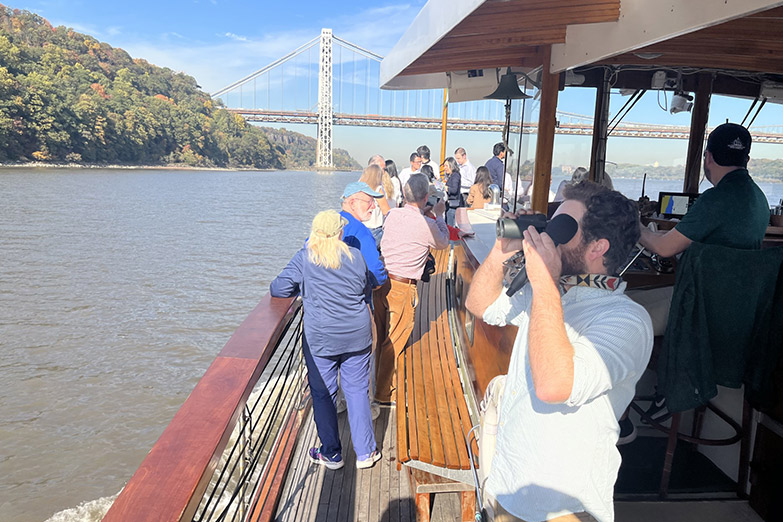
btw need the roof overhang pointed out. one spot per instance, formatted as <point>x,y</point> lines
<point>463,35</point>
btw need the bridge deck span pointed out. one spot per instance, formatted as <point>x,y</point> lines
<point>375,120</point>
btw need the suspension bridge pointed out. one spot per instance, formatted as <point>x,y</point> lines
<point>330,81</point>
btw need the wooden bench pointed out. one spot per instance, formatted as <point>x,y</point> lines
<point>432,413</point>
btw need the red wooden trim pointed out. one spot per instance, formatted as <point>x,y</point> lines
<point>171,480</point>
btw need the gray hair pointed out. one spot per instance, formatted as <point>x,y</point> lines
<point>377,160</point>
<point>417,188</point>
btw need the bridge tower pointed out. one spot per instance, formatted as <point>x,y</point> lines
<point>323,157</point>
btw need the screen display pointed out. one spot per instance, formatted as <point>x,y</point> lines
<point>675,204</point>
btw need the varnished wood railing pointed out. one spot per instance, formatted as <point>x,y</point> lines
<point>172,479</point>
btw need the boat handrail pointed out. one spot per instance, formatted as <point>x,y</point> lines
<point>171,482</point>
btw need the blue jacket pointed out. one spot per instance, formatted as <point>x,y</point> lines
<point>357,235</point>
<point>336,317</point>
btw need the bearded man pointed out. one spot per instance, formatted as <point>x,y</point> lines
<point>581,347</point>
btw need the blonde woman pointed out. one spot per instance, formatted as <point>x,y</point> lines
<point>373,175</point>
<point>334,282</point>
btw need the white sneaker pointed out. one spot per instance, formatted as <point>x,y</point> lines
<point>370,461</point>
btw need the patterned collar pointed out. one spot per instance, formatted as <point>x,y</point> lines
<point>604,282</point>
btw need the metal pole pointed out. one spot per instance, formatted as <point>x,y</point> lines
<point>519,147</point>
<point>505,143</point>
<point>443,129</point>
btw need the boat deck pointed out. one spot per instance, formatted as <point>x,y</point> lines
<point>313,493</point>
<point>381,493</point>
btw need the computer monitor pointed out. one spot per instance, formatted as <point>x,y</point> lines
<point>675,204</point>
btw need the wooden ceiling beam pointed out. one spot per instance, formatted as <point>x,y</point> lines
<point>719,47</point>
<point>530,57</point>
<point>495,41</point>
<point>775,12</point>
<point>504,7</point>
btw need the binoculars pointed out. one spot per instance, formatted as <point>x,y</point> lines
<point>512,228</point>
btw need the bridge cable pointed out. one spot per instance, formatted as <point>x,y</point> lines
<point>356,48</point>
<point>261,71</point>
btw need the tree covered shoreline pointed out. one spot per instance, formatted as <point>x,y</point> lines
<point>69,99</point>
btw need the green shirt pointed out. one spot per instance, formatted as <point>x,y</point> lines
<point>734,213</point>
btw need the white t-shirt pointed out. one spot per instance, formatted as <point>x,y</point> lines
<point>406,174</point>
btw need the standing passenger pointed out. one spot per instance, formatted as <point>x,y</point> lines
<point>407,239</point>
<point>479,192</point>
<point>373,176</point>
<point>453,187</point>
<point>415,168</point>
<point>391,170</point>
<point>335,286</point>
<point>495,164</point>
<point>424,152</point>
<point>358,201</point>
<point>467,171</point>
<point>580,348</point>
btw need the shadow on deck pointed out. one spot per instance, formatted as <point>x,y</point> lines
<point>314,493</point>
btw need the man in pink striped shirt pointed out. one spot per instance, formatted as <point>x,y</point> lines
<point>407,239</point>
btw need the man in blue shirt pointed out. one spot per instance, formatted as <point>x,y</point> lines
<point>495,164</point>
<point>358,202</point>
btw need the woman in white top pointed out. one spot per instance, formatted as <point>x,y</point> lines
<point>391,170</point>
<point>373,175</point>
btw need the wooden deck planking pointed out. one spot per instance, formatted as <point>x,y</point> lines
<point>456,398</point>
<point>452,440</point>
<point>379,494</point>
<point>427,340</point>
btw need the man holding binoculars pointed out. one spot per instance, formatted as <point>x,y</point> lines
<point>581,346</point>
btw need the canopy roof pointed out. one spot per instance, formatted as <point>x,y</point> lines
<point>449,38</point>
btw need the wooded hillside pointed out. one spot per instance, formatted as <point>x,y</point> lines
<point>300,150</point>
<point>66,97</point>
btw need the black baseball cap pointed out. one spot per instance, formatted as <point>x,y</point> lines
<point>729,145</point>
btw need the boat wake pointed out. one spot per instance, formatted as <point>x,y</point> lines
<point>89,511</point>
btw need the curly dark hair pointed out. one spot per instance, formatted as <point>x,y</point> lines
<point>610,216</point>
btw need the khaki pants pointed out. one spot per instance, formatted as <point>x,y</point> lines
<point>501,515</point>
<point>402,300</point>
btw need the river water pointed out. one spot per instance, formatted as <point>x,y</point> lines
<point>117,290</point>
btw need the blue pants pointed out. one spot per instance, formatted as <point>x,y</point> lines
<point>450,216</point>
<point>354,371</point>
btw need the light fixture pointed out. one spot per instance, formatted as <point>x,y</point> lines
<point>508,89</point>
<point>681,102</point>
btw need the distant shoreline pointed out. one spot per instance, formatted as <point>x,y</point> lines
<point>39,165</point>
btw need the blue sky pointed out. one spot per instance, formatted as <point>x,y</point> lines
<point>221,41</point>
